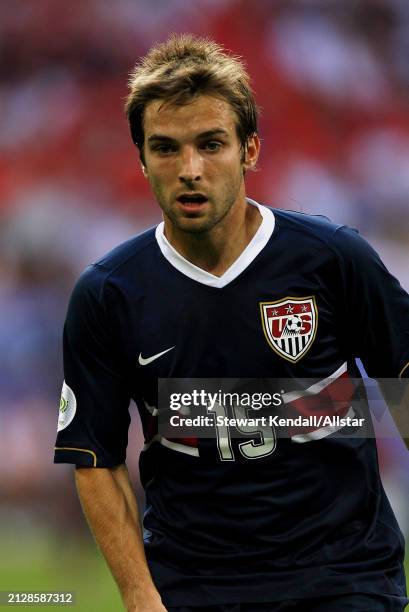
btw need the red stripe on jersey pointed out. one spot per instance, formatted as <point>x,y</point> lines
<point>334,400</point>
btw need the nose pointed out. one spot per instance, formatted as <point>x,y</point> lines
<point>190,165</point>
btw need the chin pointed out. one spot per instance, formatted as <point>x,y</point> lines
<point>194,226</point>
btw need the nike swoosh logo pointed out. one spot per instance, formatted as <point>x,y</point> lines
<point>143,361</point>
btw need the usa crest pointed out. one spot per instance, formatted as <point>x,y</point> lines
<point>290,325</point>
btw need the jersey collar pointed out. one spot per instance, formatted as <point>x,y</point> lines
<point>256,244</point>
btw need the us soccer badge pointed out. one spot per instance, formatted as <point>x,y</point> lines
<point>290,325</point>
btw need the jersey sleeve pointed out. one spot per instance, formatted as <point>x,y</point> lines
<point>374,308</point>
<point>94,408</point>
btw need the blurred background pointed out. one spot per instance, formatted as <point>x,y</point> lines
<point>332,78</point>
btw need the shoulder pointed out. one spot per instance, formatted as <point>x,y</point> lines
<point>302,225</point>
<point>123,263</point>
<point>138,248</point>
<point>344,241</point>
<point>134,248</point>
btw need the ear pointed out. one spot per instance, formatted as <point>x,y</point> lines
<point>251,152</point>
<point>144,170</point>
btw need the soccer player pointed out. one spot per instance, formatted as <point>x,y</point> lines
<point>228,288</point>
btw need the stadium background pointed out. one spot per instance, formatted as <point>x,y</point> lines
<point>332,79</point>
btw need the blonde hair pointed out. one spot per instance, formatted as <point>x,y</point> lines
<point>182,68</point>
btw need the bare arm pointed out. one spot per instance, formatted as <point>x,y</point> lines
<point>110,506</point>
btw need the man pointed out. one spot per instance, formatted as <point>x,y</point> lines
<point>227,288</point>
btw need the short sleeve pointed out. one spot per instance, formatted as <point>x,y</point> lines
<point>374,308</point>
<point>94,408</point>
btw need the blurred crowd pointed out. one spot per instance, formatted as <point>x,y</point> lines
<point>332,81</point>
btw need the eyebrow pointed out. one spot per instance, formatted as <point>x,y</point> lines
<point>203,135</point>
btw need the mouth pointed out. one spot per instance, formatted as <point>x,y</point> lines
<point>192,201</point>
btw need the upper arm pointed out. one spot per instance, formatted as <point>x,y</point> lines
<point>374,308</point>
<point>94,414</point>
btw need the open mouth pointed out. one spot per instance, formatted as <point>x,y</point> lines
<point>192,200</point>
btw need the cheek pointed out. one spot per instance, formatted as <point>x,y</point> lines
<point>159,184</point>
<point>161,173</point>
<point>232,163</point>
<point>234,170</point>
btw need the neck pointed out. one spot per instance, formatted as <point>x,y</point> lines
<point>215,251</point>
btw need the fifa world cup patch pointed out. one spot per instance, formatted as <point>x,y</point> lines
<point>68,407</point>
<point>290,325</point>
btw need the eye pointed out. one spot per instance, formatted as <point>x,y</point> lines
<point>163,149</point>
<point>212,145</point>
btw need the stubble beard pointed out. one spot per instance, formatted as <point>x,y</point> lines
<point>192,225</point>
<point>201,225</point>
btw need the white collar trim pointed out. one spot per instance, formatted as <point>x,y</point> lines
<point>256,244</point>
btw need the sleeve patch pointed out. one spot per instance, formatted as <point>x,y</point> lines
<point>68,407</point>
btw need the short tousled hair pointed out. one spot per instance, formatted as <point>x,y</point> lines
<point>182,68</point>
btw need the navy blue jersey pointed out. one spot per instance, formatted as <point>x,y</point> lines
<point>308,516</point>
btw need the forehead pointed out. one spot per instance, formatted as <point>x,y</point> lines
<point>180,121</point>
